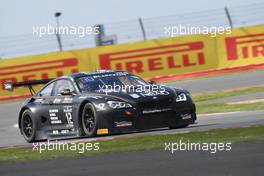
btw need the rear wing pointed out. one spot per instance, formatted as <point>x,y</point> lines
<point>11,85</point>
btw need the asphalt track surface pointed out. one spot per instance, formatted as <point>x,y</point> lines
<point>244,159</point>
<point>10,135</point>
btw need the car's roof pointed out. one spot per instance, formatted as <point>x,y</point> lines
<point>98,72</point>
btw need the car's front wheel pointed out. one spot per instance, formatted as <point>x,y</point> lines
<point>89,120</point>
<point>28,127</point>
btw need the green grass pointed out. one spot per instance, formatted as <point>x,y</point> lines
<point>228,93</point>
<point>204,108</point>
<point>129,144</point>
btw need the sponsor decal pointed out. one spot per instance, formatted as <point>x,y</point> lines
<point>134,95</point>
<point>123,124</point>
<point>67,100</point>
<point>38,100</point>
<point>64,131</point>
<point>57,101</point>
<point>55,131</point>
<point>100,107</point>
<point>110,75</point>
<point>89,96</point>
<point>54,119</point>
<point>102,131</point>
<point>154,93</point>
<point>186,116</point>
<point>155,111</point>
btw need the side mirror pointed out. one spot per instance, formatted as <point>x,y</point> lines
<point>66,92</point>
<point>152,82</point>
<point>9,86</point>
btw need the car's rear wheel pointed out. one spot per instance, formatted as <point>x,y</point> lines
<point>89,120</point>
<point>28,127</point>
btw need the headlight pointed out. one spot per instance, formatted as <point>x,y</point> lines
<point>181,97</point>
<point>118,104</point>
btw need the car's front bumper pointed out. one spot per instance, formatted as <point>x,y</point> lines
<point>133,119</point>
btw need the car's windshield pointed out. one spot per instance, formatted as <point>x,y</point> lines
<point>99,82</point>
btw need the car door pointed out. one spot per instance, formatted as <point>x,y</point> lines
<point>42,100</point>
<point>64,105</point>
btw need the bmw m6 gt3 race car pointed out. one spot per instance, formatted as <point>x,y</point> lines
<point>100,103</point>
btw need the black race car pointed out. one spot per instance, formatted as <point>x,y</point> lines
<point>100,103</point>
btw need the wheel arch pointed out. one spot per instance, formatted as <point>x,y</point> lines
<point>23,109</point>
<point>80,109</point>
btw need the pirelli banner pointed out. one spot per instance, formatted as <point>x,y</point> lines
<point>160,57</point>
<point>44,66</point>
<point>244,46</point>
<point>149,59</point>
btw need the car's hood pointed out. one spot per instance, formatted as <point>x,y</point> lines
<point>135,96</point>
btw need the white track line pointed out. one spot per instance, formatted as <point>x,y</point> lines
<point>220,113</point>
<point>15,125</point>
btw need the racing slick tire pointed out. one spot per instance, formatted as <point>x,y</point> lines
<point>28,126</point>
<point>89,121</point>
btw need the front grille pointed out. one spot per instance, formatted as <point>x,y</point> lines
<point>147,105</point>
<point>164,103</point>
<point>155,104</point>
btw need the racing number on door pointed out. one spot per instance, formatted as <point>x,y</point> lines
<point>69,117</point>
<point>68,114</point>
